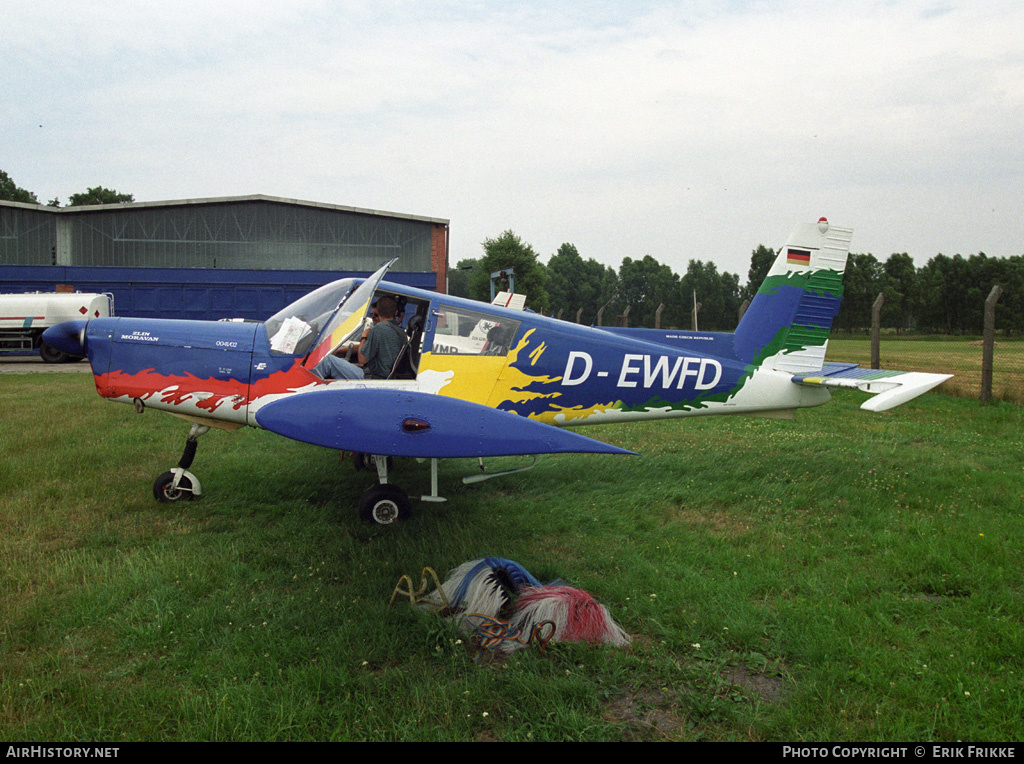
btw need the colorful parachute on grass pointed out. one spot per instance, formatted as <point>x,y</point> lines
<point>494,588</point>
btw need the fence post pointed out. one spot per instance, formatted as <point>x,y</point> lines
<point>657,316</point>
<point>600,313</point>
<point>625,316</point>
<point>743,309</point>
<point>578,314</point>
<point>876,332</point>
<point>988,342</point>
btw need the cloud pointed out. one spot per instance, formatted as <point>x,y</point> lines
<point>695,130</point>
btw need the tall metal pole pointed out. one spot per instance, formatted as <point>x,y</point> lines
<point>876,332</point>
<point>988,343</point>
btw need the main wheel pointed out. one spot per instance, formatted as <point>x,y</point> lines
<point>163,492</point>
<point>385,504</point>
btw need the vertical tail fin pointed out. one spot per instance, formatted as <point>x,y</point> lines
<point>788,321</point>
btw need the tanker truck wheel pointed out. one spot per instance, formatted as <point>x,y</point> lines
<point>52,355</point>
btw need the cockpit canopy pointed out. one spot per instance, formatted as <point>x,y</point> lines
<point>293,329</point>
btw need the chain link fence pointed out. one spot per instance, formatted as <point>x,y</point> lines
<point>990,367</point>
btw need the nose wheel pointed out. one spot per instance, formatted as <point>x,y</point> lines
<point>176,485</point>
<point>179,484</point>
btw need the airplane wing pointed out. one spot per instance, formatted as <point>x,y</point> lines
<point>422,425</point>
<point>891,387</point>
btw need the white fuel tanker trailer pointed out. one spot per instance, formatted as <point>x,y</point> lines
<point>24,317</point>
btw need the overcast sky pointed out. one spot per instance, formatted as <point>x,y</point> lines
<point>683,130</point>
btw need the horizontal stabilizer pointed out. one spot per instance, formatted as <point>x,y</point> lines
<point>409,423</point>
<point>891,388</point>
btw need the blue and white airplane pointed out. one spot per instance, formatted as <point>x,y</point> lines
<point>476,379</point>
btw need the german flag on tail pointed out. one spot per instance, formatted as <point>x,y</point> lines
<point>798,256</point>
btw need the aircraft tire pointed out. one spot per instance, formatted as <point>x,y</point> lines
<point>385,504</point>
<point>163,493</point>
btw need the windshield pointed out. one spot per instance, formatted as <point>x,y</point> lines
<point>347,320</point>
<point>293,329</point>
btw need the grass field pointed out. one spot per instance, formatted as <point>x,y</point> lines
<point>961,357</point>
<point>842,576</point>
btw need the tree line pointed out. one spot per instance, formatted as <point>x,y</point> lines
<point>945,296</point>
<point>10,192</point>
<point>573,286</point>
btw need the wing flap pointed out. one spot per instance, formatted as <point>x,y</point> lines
<point>409,423</point>
<point>890,388</point>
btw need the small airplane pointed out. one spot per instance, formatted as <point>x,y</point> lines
<point>476,380</point>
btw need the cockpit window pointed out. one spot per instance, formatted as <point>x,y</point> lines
<point>466,332</point>
<point>293,329</point>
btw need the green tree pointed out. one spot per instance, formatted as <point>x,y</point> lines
<point>899,285</point>
<point>579,286</point>
<point>99,195</point>
<point>9,192</point>
<point>954,289</point>
<point>609,295</point>
<point>733,294</point>
<point>761,260</point>
<point>565,271</point>
<point>717,293</point>
<point>1010,309</point>
<point>508,251</point>
<point>459,277</point>
<point>944,282</point>
<point>643,286</point>
<point>985,272</point>
<point>861,284</point>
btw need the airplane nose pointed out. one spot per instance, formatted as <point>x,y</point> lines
<point>68,337</point>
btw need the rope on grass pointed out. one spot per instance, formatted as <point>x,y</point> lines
<point>418,597</point>
<point>494,633</point>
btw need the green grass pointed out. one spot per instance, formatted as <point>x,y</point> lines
<point>843,576</point>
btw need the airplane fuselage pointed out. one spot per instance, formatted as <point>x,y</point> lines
<point>548,370</point>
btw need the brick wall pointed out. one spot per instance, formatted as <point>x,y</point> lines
<point>439,256</point>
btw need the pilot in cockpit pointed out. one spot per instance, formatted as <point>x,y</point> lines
<point>376,351</point>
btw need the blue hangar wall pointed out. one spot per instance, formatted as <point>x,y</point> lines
<point>240,257</point>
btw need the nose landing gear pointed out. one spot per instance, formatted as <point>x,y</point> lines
<point>179,484</point>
